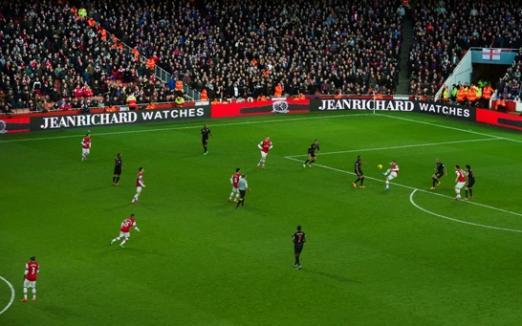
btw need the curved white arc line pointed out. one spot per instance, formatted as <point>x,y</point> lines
<point>12,295</point>
<point>457,220</point>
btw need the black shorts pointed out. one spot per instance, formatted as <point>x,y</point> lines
<point>298,248</point>
<point>439,175</point>
<point>359,174</point>
<point>204,141</point>
<point>242,193</point>
<point>470,183</point>
<point>117,171</point>
<point>312,154</point>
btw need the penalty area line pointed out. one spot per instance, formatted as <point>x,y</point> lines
<point>11,300</point>
<point>371,149</point>
<point>485,226</point>
<point>411,188</point>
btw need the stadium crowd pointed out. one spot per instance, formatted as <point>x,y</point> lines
<point>50,54</point>
<point>445,29</point>
<point>240,49</point>
<point>510,85</point>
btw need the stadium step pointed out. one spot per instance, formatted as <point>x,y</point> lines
<point>407,41</point>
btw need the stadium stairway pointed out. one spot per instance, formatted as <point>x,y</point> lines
<point>407,41</point>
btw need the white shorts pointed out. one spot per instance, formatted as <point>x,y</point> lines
<point>459,186</point>
<point>30,284</point>
<point>391,176</point>
<point>235,190</point>
<point>86,151</point>
<point>139,189</point>
<point>126,235</point>
<point>264,154</point>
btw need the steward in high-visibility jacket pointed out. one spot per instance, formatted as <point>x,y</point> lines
<point>179,100</point>
<point>454,91</point>
<point>472,94</point>
<point>461,94</point>
<point>487,92</point>
<point>445,94</point>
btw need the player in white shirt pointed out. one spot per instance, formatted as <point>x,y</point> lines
<point>139,185</point>
<point>391,174</point>
<point>460,181</point>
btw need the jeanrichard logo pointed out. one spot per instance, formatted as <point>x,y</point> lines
<point>365,104</point>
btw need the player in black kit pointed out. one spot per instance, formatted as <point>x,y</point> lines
<point>357,169</point>
<point>205,134</point>
<point>117,170</point>
<point>311,154</point>
<point>470,182</point>
<point>299,239</point>
<point>440,170</point>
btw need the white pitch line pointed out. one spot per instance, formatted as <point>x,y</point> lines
<point>449,127</point>
<point>12,295</point>
<point>412,188</point>
<point>403,146</point>
<point>457,220</point>
<point>227,124</point>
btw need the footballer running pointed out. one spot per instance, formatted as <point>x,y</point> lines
<point>312,152</point>
<point>390,174</point>
<point>265,146</point>
<point>440,171</point>
<point>139,185</point>
<point>32,268</point>
<point>86,146</point>
<point>357,169</point>
<point>117,170</point>
<point>125,228</point>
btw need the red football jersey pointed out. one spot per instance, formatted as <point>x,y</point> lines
<point>139,179</point>
<point>394,167</point>
<point>86,142</point>
<point>461,176</point>
<point>127,224</point>
<point>31,270</point>
<point>235,179</point>
<point>266,145</point>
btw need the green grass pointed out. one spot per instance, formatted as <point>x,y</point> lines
<point>371,258</point>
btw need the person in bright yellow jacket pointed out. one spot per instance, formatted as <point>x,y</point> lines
<point>445,94</point>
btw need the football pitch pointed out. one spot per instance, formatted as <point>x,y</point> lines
<point>407,256</point>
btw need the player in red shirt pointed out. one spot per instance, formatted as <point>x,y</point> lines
<point>265,146</point>
<point>125,228</point>
<point>391,174</point>
<point>460,181</point>
<point>234,180</point>
<point>31,274</point>
<point>139,185</point>
<point>86,146</point>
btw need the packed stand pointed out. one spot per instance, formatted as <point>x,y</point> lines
<point>49,54</point>
<point>244,49</point>
<point>510,86</point>
<point>444,30</point>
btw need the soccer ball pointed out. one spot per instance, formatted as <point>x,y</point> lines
<point>379,166</point>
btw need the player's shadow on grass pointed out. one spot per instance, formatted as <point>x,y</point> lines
<point>335,277</point>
